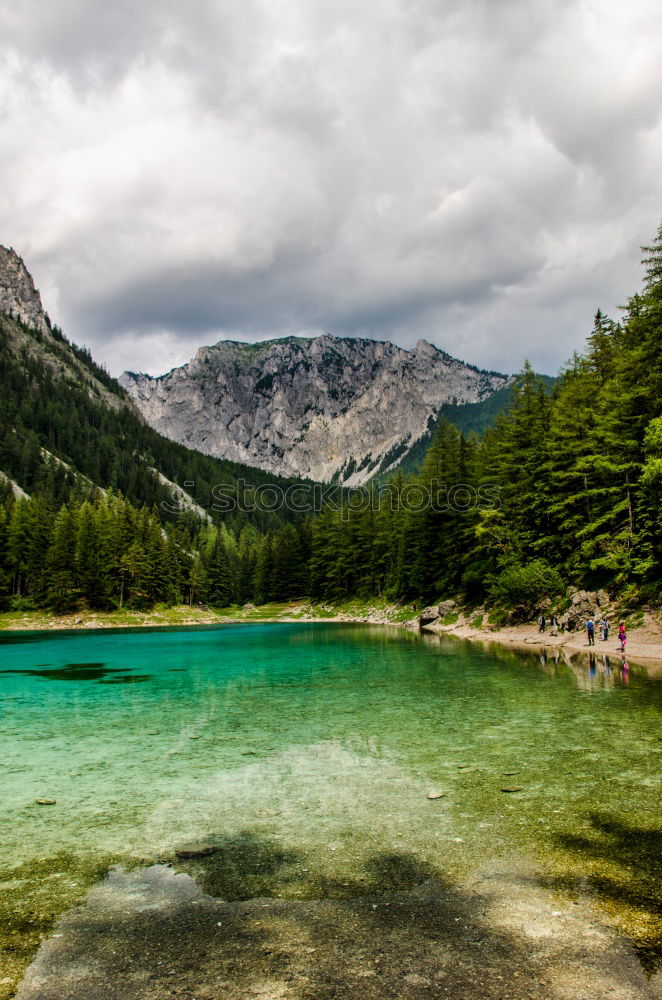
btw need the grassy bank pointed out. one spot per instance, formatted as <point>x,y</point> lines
<point>374,610</point>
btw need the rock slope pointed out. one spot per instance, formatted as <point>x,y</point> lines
<point>326,408</point>
<point>18,296</point>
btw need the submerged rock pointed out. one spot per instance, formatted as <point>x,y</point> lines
<point>45,802</point>
<point>201,850</point>
<point>436,795</point>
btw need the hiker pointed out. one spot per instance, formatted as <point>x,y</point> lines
<point>554,622</point>
<point>622,636</point>
<point>590,631</point>
<point>541,623</point>
<point>605,629</point>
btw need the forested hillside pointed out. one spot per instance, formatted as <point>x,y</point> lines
<point>562,489</point>
<point>92,510</point>
<point>468,418</point>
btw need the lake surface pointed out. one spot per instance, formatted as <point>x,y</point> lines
<point>305,754</point>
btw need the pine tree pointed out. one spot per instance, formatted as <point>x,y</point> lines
<point>19,533</point>
<point>63,592</point>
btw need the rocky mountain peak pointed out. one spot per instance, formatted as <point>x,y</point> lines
<point>322,407</point>
<point>18,296</point>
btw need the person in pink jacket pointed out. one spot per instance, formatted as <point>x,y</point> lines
<point>622,636</point>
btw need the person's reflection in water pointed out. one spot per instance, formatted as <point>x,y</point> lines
<point>625,671</point>
<point>592,666</point>
<point>606,666</point>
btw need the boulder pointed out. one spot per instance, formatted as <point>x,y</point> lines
<point>584,604</point>
<point>585,598</point>
<point>429,615</point>
<point>603,598</point>
<point>446,607</point>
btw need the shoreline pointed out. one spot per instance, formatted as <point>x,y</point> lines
<point>644,646</point>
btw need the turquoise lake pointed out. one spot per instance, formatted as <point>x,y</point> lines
<point>306,754</point>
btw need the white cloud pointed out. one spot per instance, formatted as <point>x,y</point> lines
<point>479,174</point>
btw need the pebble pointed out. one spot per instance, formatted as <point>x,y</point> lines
<point>436,795</point>
<point>45,802</point>
<point>512,788</point>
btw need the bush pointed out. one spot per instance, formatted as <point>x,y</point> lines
<point>526,585</point>
<point>22,604</point>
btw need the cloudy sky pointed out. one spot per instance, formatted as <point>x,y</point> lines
<point>479,173</point>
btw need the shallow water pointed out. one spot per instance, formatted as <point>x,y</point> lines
<point>305,753</point>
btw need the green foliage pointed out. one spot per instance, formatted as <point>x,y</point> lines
<point>497,617</point>
<point>526,585</point>
<point>451,618</point>
<point>567,486</point>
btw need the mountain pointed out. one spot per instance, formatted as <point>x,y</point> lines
<point>67,427</point>
<point>19,298</point>
<point>326,408</point>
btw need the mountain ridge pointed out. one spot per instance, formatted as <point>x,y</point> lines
<point>327,408</point>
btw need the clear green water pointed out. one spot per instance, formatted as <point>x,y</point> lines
<point>306,753</point>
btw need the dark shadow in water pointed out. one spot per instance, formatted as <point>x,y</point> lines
<point>243,867</point>
<point>632,875</point>
<point>72,672</point>
<point>247,866</point>
<point>427,939</point>
<point>86,672</point>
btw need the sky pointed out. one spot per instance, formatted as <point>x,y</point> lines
<point>477,173</point>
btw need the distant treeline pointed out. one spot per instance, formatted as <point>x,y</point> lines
<point>105,553</point>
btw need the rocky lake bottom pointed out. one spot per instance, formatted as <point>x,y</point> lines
<point>321,810</point>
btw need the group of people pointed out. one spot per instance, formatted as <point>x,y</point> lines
<point>553,624</point>
<point>604,626</point>
<point>590,626</point>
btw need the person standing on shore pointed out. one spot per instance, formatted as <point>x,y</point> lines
<point>590,631</point>
<point>554,622</point>
<point>622,636</point>
<point>541,623</point>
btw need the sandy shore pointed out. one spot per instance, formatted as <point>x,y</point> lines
<point>644,644</point>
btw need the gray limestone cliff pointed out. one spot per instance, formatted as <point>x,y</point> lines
<point>18,296</point>
<point>324,408</point>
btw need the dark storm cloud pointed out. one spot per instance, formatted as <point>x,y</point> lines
<point>480,174</point>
